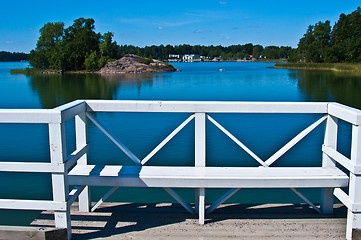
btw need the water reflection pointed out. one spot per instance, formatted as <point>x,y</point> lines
<point>55,90</point>
<point>341,87</point>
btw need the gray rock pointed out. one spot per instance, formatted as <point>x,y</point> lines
<point>135,64</point>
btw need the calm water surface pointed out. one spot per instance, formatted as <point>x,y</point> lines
<point>141,132</point>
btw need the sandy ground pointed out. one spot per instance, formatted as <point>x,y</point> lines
<point>229,221</point>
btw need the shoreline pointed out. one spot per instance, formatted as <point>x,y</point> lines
<point>337,67</point>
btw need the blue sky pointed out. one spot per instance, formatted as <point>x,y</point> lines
<point>141,23</point>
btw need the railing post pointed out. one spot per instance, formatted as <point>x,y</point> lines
<point>81,141</point>
<point>354,218</point>
<point>200,160</point>
<point>60,185</point>
<point>329,141</point>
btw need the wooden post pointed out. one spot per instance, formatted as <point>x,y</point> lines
<point>81,141</point>
<point>354,218</point>
<point>200,160</point>
<point>329,141</point>
<point>60,185</point>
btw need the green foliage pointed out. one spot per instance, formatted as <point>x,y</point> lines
<point>77,47</point>
<point>342,44</point>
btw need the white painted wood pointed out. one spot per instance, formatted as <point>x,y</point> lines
<point>31,167</point>
<point>104,198</point>
<point>239,143</point>
<point>73,195</point>
<point>119,144</point>
<point>29,116</point>
<point>306,200</point>
<point>344,198</point>
<point>222,199</point>
<point>58,155</point>
<point>294,141</point>
<point>200,140</point>
<point>75,156</point>
<point>209,106</point>
<point>330,140</point>
<point>81,143</point>
<point>201,205</point>
<point>71,109</point>
<point>32,204</point>
<point>354,218</point>
<point>179,199</point>
<point>341,159</point>
<point>346,113</point>
<point>200,160</point>
<point>167,139</point>
<point>207,177</point>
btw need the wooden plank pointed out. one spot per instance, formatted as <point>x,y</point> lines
<point>32,204</point>
<point>346,113</point>
<point>74,194</point>
<point>179,199</point>
<point>104,198</point>
<point>344,198</point>
<point>81,142</point>
<point>208,107</point>
<point>341,159</point>
<point>29,116</point>
<point>31,167</point>
<point>75,156</point>
<point>208,177</point>
<point>222,199</point>
<point>306,200</point>
<point>167,139</point>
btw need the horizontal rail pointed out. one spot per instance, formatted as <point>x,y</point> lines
<point>32,204</point>
<point>209,107</point>
<point>29,116</point>
<point>345,199</point>
<point>31,167</point>
<point>346,113</point>
<point>341,159</point>
<point>74,194</point>
<point>75,156</point>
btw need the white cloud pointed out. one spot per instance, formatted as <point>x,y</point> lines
<point>160,28</point>
<point>9,42</point>
<point>223,2</point>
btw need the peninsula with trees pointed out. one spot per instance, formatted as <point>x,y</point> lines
<point>325,47</point>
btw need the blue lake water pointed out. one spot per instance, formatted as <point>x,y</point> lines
<point>141,132</point>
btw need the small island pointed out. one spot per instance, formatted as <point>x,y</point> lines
<point>131,63</point>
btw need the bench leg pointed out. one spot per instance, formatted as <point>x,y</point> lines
<point>327,200</point>
<point>200,207</point>
<point>84,200</point>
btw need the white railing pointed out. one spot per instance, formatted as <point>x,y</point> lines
<point>61,162</point>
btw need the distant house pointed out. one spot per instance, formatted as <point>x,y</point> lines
<point>191,57</point>
<point>174,58</point>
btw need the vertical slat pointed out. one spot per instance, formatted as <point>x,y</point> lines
<point>60,186</point>
<point>200,160</point>
<point>81,141</point>
<point>330,140</point>
<point>353,218</point>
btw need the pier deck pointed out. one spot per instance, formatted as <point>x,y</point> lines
<point>230,221</point>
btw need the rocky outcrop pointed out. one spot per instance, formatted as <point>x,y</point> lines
<point>135,64</point>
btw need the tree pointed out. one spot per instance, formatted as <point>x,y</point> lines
<point>48,51</point>
<point>80,41</point>
<point>107,46</point>
<point>315,42</point>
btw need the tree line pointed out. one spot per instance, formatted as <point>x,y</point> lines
<point>323,43</point>
<point>79,47</point>
<point>12,56</point>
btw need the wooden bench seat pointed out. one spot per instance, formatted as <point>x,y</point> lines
<point>207,177</point>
